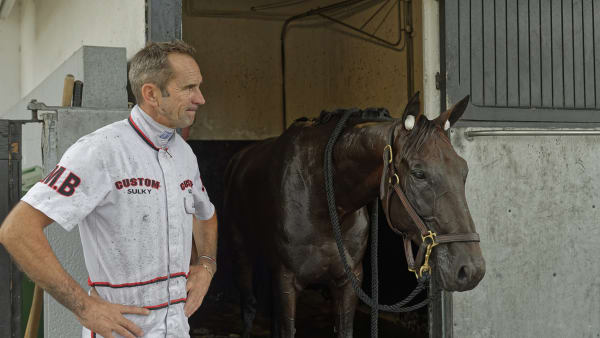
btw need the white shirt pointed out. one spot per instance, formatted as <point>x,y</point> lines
<point>132,187</point>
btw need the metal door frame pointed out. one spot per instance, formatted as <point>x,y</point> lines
<point>10,275</point>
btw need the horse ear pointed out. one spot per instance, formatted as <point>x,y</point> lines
<point>450,116</point>
<point>411,112</point>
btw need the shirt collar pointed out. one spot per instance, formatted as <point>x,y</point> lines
<point>155,134</point>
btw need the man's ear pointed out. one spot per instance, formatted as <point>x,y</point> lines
<point>150,93</point>
<point>411,112</point>
<point>450,116</point>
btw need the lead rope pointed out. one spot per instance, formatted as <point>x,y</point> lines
<point>337,233</point>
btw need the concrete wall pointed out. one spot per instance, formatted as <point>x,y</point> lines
<point>535,202</point>
<point>327,65</point>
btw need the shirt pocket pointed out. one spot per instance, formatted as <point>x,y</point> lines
<point>188,203</point>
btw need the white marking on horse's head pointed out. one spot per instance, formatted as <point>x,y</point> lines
<point>409,123</point>
<point>447,125</point>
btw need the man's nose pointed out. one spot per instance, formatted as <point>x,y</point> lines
<point>198,98</point>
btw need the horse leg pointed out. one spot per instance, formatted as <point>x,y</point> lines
<point>248,299</point>
<point>344,304</point>
<point>243,277</point>
<point>285,294</point>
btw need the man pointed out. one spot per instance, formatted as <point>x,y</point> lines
<point>134,189</point>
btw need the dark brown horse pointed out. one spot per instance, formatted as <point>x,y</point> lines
<point>276,208</point>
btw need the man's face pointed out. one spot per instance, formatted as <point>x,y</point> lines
<point>183,96</point>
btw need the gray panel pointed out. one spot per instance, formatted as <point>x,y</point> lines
<point>62,129</point>
<point>10,188</point>
<point>489,54</point>
<point>535,55</point>
<point>546,48</point>
<point>440,312</point>
<point>588,55</point>
<point>524,61</point>
<point>477,70</point>
<point>164,20</point>
<point>564,116</point>
<point>557,54</point>
<point>538,222</point>
<point>5,296</point>
<point>104,89</point>
<point>500,50</point>
<point>568,53</point>
<point>452,33</point>
<point>464,46</point>
<point>579,71</point>
<point>4,195</point>
<point>512,50</point>
<point>596,34</point>
<point>4,125</point>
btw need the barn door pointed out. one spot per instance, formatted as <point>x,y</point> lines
<point>532,68</point>
<point>524,60</point>
<point>10,187</point>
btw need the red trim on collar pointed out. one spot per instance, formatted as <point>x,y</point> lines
<point>141,133</point>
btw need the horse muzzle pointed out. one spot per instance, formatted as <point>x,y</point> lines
<point>458,266</point>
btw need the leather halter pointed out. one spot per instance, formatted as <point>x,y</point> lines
<point>391,181</point>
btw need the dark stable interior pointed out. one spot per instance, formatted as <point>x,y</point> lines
<point>219,316</point>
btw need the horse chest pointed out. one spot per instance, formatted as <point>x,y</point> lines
<point>321,263</point>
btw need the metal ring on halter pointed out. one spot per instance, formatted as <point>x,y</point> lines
<point>391,156</point>
<point>397,179</point>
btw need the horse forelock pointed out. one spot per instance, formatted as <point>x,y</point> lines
<point>424,131</point>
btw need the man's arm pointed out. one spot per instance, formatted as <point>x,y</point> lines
<point>205,237</point>
<point>205,264</point>
<point>23,237</point>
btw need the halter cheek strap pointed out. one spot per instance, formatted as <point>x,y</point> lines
<point>390,183</point>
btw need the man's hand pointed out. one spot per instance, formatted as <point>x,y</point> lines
<point>105,318</point>
<point>197,285</point>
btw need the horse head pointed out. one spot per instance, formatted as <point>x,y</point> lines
<point>432,177</point>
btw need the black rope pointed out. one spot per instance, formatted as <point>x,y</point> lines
<point>374,268</point>
<point>335,222</point>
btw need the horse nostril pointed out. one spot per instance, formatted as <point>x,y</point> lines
<point>463,273</point>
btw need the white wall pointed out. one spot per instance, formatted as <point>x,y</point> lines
<point>40,35</point>
<point>10,59</point>
<point>54,30</point>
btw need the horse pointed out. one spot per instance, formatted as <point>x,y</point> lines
<point>276,209</point>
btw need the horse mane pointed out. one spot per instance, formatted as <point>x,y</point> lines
<point>357,115</point>
<point>424,128</point>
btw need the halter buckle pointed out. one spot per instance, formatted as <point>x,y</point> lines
<point>426,267</point>
<point>431,235</point>
<point>391,156</point>
<point>397,179</point>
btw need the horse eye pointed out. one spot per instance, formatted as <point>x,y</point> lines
<point>420,174</point>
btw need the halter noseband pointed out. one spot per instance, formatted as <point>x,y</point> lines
<point>391,181</point>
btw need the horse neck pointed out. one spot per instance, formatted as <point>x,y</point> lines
<point>358,163</point>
